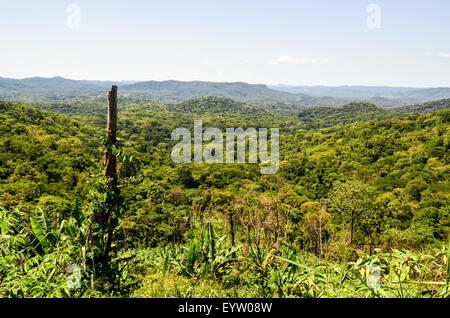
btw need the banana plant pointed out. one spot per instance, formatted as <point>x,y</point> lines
<point>215,255</point>
<point>188,263</point>
<point>44,236</point>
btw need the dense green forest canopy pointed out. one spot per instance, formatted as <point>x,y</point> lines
<point>49,156</point>
<point>377,176</point>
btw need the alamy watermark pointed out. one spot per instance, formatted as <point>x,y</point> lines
<point>374,18</point>
<point>74,16</point>
<point>235,146</point>
<point>74,279</point>
<point>373,279</point>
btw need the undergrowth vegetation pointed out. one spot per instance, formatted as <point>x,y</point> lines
<point>278,270</point>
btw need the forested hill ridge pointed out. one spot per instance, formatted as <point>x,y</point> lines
<point>214,105</point>
<point>177,91</point>
<point>58,88</point>
<point>43,154</point>
<point>54,88</point>
<point>426,107</point>
<point>307,118</point>
<point>319,117</point>
<point>38,89</point>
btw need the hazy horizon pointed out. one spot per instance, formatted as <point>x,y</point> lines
<point>126,82</point>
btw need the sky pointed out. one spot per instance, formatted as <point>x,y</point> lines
<point>293,42</point>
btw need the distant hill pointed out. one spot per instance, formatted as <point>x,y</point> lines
<point>46,88</point>
<point>59,89</point>
<point>176,91</point>
<point>214,105</point>
<point>380,95</point>
<point>344,91</point>
<point>51,89</point>
<point>321,117</point>
<point>426,107</point>
<point>430,93</point>
<point>226,110</point>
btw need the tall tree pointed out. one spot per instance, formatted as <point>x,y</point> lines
<point>352,200</point>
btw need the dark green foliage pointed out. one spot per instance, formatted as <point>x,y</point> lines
<point>320,117</point>
<point>428,107</point>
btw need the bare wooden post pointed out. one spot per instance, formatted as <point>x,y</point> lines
<point>103,215</point>
<point>110,160</point>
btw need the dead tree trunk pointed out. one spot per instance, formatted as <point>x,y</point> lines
<point>104,219</point>
<point>110,160</point>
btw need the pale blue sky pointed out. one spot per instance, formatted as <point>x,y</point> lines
<point>257,41</point>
